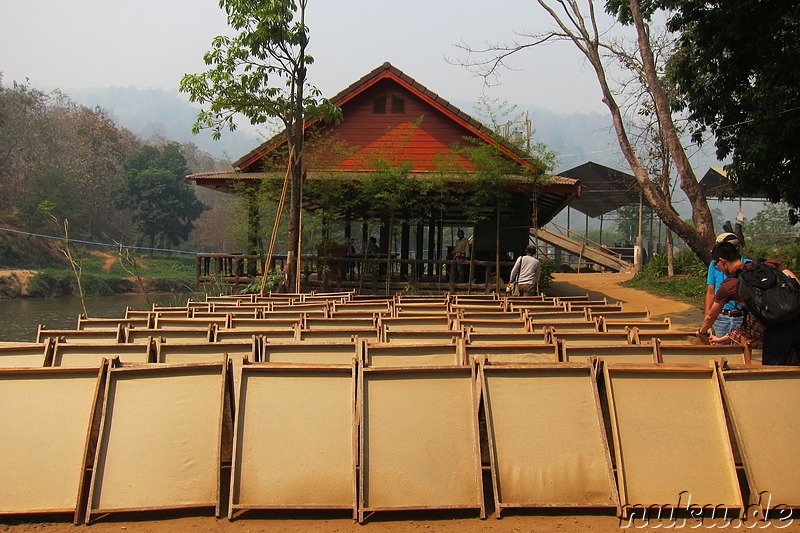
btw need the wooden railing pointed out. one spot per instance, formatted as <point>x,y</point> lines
<point>352,271</point>
<point>231,268</point>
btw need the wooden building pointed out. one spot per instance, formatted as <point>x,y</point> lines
<point>392,121</point>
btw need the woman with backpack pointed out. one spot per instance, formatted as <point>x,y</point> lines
<point>770,293</point>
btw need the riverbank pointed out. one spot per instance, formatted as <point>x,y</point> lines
<point>24,283</point>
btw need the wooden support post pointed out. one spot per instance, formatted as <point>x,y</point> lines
<point>431,245</point>
<point>405,245</point>
<point>420,240</point>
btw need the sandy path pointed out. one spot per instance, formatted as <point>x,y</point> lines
<point>599,285</point>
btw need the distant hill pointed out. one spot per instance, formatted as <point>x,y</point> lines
<point>160,113</point>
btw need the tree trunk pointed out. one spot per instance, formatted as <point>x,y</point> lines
<point>497,251</point>
<point>293,240</point>
<point>698,239</point>
<point>701,214</point>
<point>295,125</point>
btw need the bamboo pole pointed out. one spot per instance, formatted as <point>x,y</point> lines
<point>274,236</point>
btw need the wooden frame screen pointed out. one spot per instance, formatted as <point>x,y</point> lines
<point>160,439</point>
<point>92,355</point>
<point>682,354</point>
<point>26,354</point>
<point>407,355</point>
<point>547,440</point>
<point>207,352</point>
<point>512,353</point>
<point>670,436</point>
<point>419,440</point>
<point>45,421</point>
<point>762,405</point>
<point>623,353</point>
<point>295,438</point>
<point>331,353</point>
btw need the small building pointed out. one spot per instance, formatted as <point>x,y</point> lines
<point>394,126</point>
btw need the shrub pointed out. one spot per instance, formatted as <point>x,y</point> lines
<point>274,279</point>
<point>657,267</point>
<point>50,285</point>
<point>546,269</point>
<point>10,287</point>
<point>95,285</point>
<point>788,254</point>
<point>686,263</point>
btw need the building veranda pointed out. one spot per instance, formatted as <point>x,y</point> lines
<point>408,169</point>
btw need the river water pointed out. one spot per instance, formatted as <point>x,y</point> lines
<point>20,318</point>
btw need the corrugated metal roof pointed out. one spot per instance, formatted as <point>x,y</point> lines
<point>603,189</point>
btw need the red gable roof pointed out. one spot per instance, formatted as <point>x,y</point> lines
<point>390,115</point>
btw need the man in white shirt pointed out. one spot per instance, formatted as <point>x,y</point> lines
<point>526,273</point>
<point>460,254</point>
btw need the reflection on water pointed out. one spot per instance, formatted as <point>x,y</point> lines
<point>20,318</point>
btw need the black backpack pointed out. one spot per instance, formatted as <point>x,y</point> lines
<point>771,296</point>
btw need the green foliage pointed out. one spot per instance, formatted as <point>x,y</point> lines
<point>50,284</point>
<point>259,71</point>
<point>55,284</point>
<point>56,150</point>
<point>770,226</point>
<point>686,264</point>
<point>688,284</point>
<point>99,285</point>
<point>488,187</point>
<point>49,190</point>
<point>274,279</point>
<point>153,188</point>
<point>10,287</point>
<point>547,267</point>
<point>789,254</point>
<point>411,290</point>
<point>514,128</point>
<point>736,66</point>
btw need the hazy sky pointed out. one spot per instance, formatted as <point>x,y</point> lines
<point>152,43</point>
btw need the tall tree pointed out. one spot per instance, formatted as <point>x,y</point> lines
<point>737,68</point>
<point>579,25</point>
<point>153,187</point>
<point>94,150</point>
<point>23,120</point>
<point>261,74</point>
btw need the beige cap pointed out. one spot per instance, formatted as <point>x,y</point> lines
<point>728,237</point>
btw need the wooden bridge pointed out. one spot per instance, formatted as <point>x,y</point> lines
<point>587,250</point>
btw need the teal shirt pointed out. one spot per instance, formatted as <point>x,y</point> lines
<point>716,277</point>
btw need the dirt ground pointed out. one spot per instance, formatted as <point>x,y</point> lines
<point>564,520</point>
<point>599,285</point>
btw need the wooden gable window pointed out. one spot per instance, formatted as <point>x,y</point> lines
<point>398,105</point>
<point>389,101</point>
<point>379,105</point>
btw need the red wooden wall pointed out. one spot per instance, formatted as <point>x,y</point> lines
<point>420,135</point>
